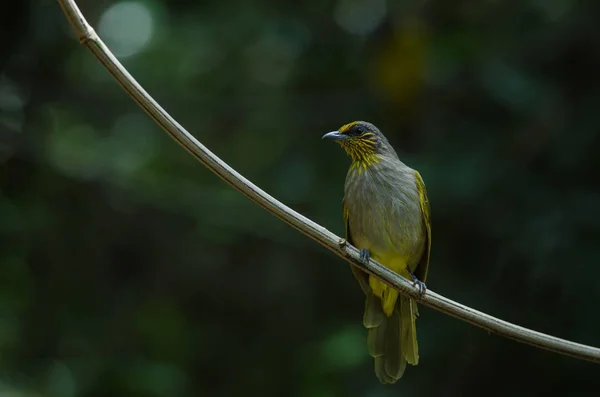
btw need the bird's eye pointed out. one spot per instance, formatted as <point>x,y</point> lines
<point>356,131</point>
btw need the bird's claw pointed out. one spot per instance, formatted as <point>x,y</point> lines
<point>365,255</point>
<point>418,283</point>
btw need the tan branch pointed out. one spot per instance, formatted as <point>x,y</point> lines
<point>90,39</point>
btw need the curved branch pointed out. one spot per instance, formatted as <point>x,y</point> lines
<point>324,237</point>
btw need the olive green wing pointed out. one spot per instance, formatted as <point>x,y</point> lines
<point>421,271</point>
<point>362,277</point>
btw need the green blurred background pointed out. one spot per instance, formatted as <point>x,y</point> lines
<point>128,269</point>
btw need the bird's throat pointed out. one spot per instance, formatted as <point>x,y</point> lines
<point>362,160</point>
<point>362,152</point>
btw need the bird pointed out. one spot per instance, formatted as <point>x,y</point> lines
<point>387,216</point>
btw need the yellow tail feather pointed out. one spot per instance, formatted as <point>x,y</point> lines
<point>392,339</point>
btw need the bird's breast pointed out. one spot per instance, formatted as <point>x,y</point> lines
<point>384,214</point>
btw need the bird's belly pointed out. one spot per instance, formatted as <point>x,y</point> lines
<point>392,258</point>
<point>395,241</point>
<point>387,221</point>
<point>398,261</point>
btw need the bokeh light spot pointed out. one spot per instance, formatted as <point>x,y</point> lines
<point>131,146</point>
<point>127,27</point>
<point>345,348</point>
<point>360,17</point>
<point>74,152</point>
<point>272,58</point>
<point>12,102</point>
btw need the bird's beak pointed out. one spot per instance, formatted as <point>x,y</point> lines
<point>334,136</point>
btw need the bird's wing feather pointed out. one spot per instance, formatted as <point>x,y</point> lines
<point>362,277</point>
<point>421,271</point>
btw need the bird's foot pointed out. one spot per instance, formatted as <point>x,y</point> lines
<point>418,283</point>
<point>365,255</point>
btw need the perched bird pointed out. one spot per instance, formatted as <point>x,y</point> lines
<point>386,212</point>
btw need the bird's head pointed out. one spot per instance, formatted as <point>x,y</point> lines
<point>362,141</point>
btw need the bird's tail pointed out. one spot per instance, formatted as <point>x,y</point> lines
<point>392,340</point>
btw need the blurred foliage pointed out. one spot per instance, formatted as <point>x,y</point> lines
<point>127,269</point>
